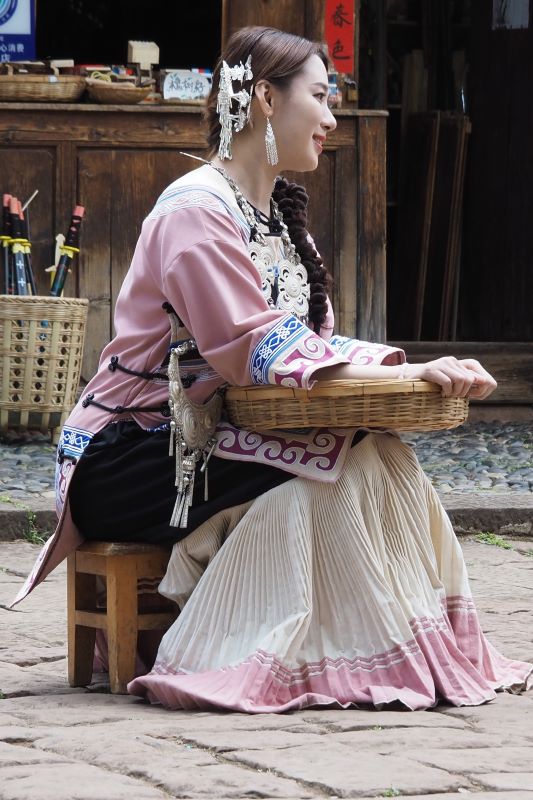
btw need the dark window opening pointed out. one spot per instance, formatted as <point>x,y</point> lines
<point>98,31</point>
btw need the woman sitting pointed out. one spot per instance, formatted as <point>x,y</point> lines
<point>321,569</point>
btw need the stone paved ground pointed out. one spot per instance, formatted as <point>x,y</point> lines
<point>58,743</point>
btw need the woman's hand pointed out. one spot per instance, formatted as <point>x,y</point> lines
<point>458,377</point>
<point>484,383</point>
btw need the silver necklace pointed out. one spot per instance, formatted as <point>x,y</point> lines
<point>283,280</point>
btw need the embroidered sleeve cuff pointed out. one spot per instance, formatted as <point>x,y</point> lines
<point>363,353</point>
<point>289,354</point>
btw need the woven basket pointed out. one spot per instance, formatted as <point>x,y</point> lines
<point>41,347</point>
<point>400,405</point>
<point>41,88</point>
<point>118,93</point>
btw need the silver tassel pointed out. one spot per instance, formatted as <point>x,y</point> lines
<point>176,513</point>
<point>206,484</point>
<point>179,507</point>
<point>172,440</point>
<point>224,112</point>
<point>188,503</point>
<point>270,145</point>
<point>212,443</point>
<point>224,147</point>
<point>185,483</point>
<point>179,459</point>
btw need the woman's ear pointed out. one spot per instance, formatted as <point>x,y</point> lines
<point>263,93</point>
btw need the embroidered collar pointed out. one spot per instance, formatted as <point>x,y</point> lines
<point>283,276</point>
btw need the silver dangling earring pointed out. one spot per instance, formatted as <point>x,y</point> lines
<point>270,144</point>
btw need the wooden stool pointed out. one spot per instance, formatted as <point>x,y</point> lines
<point>121,565</point>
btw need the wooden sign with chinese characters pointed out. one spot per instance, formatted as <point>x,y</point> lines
<point>184,85</point>
<point>340,34</point>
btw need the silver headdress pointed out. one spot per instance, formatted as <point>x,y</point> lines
<point>229,121</point>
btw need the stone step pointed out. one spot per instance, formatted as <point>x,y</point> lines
<point>503,513</point>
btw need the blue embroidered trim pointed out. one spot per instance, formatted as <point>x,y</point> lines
<point>73,441</point>
<point>342,344</point>
<point>165,426</point>
<point>279,340</point>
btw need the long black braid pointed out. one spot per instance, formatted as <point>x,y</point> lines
<point>292,200</point>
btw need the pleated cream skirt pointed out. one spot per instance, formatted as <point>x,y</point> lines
<point>327,594</point>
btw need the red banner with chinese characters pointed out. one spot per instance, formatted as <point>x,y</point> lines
<point>340,35</point>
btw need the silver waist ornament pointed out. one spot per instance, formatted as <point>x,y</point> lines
<point>192,429</point>
<point>233,120</point>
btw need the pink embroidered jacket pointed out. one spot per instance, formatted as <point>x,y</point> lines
<point>193,254</point>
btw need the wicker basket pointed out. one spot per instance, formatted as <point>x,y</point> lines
<point>119,93</point>
<point>41,88</point>
<point>410,405</point>
<point>41,347</point>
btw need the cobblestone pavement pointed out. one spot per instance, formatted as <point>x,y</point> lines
<point>482,456</point>
<point>58,743</point>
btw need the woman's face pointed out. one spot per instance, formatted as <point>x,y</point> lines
<point>301,118</point>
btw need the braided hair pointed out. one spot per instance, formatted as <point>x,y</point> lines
<point>292,199</point>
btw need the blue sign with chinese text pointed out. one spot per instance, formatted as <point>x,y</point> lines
<point>17,30</point>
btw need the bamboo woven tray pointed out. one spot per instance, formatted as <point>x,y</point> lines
<point>409,405</point>
<point>119,93</point>
<point>41,347</point>
<point>41,88</point>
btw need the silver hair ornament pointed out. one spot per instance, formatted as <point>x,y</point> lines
<point>226,96</point>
